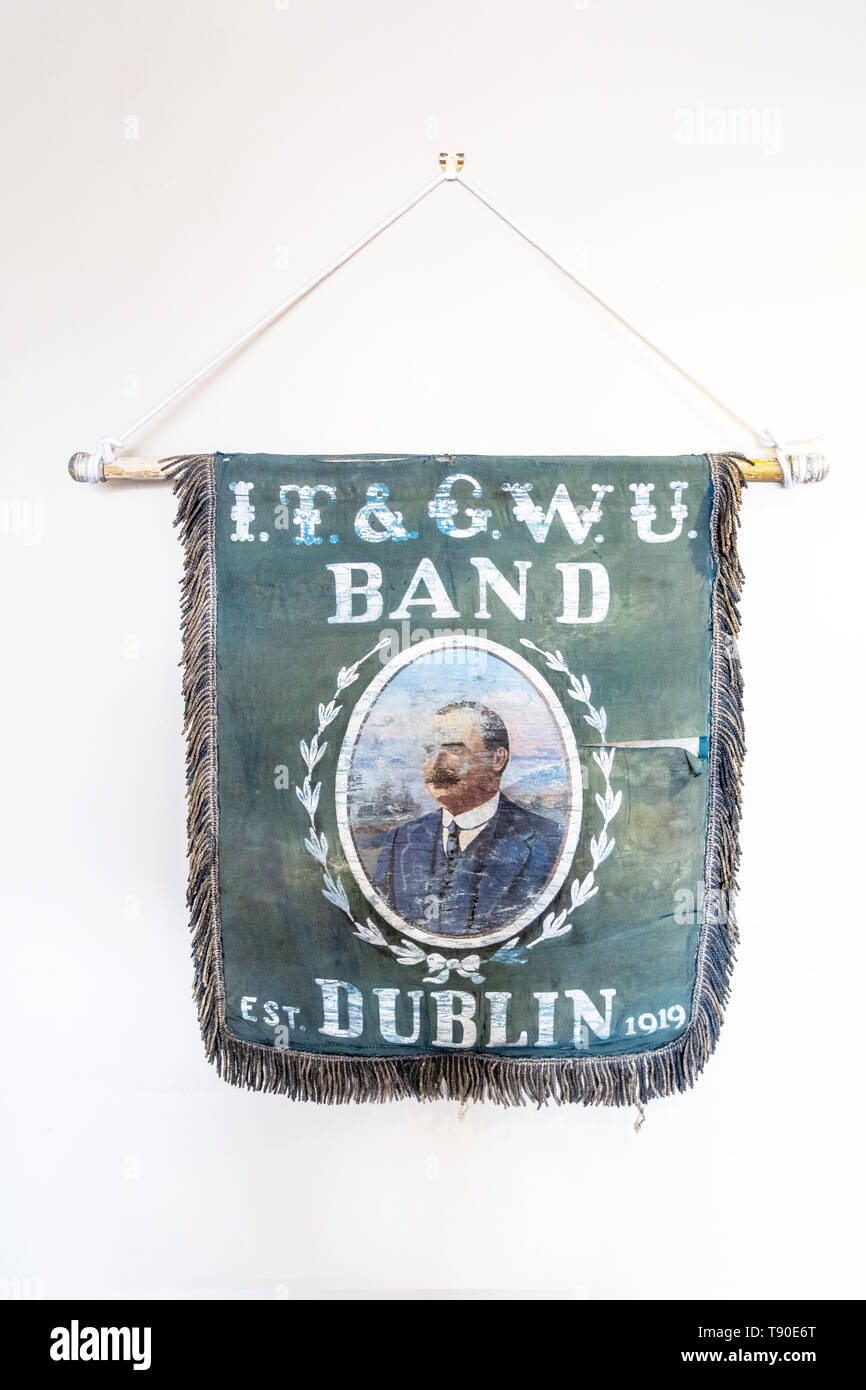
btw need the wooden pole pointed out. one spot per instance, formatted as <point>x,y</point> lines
<point>805,468</point>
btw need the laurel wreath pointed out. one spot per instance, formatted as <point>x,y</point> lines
<point>409,952</point>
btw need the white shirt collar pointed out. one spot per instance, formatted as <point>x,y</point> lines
<point>471,820</point>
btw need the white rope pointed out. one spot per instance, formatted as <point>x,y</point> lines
<point>769,441</point>
<point>246,338</point>
<point>647,342</point>
<point>109,448</point>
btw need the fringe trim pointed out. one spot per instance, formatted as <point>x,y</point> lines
<point>325,1078</point>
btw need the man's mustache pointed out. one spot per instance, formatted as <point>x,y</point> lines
<point>442,777</point>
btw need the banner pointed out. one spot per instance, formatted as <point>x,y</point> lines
<point>464,743</point>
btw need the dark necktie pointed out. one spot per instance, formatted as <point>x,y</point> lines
<point>452,845</point>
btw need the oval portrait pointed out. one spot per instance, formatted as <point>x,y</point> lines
<point>458,792</point>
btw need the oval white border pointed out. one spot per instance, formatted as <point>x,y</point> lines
<point>575,787</point>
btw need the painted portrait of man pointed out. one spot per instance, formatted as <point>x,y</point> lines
<point>477,860</point>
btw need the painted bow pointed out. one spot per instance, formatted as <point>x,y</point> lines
<point>467,967</point>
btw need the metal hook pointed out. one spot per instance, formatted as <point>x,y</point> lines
<point>451,164</point>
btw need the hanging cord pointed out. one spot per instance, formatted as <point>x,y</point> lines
<point>757,435</point>
<point>90,467</point>
<point>259,327</point>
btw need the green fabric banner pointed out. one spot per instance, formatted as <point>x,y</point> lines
<point>464,746</point>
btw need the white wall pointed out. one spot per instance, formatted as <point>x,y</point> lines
<point>269,137</point>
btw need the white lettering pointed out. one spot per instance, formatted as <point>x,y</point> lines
<point>331,1009</point>
<point>446,1018</point>
<point>546,1003</point>
<point>427,574</point>
<point>443,508</point>
<point>489,575</point>
<point>344,592</point>
<point>388,1015</point>
<point>390,526</point>
<point>585,1011</point>
<point>306,515</point>
<point>644,513</point>
<point>578,521</point>
<point>242,513</point>
<point>499,1021</point>
<point>600,584</point>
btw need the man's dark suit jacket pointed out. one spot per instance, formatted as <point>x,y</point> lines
<point>485,886</point>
